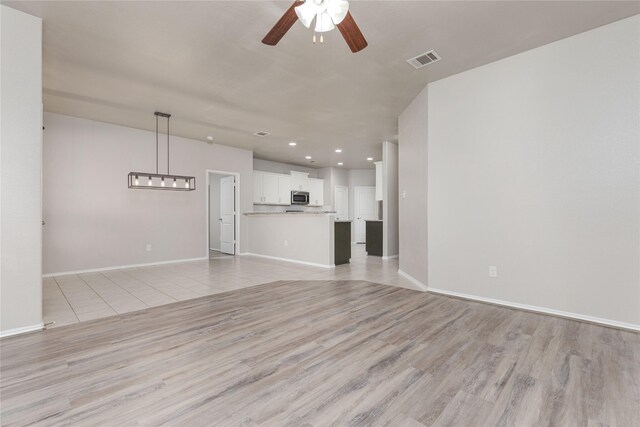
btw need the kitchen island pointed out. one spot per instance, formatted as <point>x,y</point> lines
<point>301,237</point>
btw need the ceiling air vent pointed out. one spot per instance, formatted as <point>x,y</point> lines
<point>424,59</point>
<point>262,133</point>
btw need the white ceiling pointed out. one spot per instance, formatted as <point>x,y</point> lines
<point>203,62</point>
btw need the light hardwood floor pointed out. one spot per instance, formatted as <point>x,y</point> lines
<point>318,353</point>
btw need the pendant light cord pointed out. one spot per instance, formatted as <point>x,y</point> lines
<point>167,116</point>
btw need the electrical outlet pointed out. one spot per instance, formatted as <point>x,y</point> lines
<point>403,195</point>
<point>148,248</point>
<point>493,271</point>
<point>286,243</point>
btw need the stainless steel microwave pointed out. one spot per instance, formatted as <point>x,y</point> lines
<point>299,197</point>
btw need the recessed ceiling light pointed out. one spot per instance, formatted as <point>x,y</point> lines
<point>307,157</point>
<point>292,144</point>
<point>209,138</point>
<point>338,150</point>
<point>340,163</point>
<point>370,158</point>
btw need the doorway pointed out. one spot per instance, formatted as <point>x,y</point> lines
<point>366,208</point>
<point>222,219</point>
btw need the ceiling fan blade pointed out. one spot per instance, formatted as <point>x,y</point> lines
<point>282,26</point>
<point>352,34</point>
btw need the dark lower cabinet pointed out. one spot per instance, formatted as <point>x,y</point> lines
<point>342,243</point>
<point>374,238</point>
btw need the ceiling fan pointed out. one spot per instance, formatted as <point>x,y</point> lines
<point>328,14</point>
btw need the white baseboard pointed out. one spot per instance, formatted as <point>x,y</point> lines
<point>313,264</point>
<point>119,267</point>
<point>23,330</point>
<point>421,286</point>
<point>559,313</point>
<point>214,249</point>
<point>387,258</point>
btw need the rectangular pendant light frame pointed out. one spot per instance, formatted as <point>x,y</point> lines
<point>183,183</point>
<point>159,181</point>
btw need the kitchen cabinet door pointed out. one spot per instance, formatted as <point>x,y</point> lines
<point>299,181</point>
<point>270,188</point>
<point>316,192</point>
<point>284,190</point>
<point>258,193</point>
<point>379,181</point>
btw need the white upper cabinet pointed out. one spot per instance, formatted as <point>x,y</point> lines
<point>284,190</point>
<point>316,192</point>
<point>299,181</point>
<point>271,188</point>
<point>379,182</point>
<point>258,193</point>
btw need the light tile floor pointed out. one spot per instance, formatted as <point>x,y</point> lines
<point>79,297</point>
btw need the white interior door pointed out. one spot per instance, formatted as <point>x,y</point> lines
<point>342,203</point>
<point>365,209</point>
<point>228,215</point>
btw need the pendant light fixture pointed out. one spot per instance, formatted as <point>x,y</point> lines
<point>158,181</point>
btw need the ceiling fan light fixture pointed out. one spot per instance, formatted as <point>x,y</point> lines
<point>337,9</point>
<point>324,23</point>
<point>306,12</point>
<point>328,15</point>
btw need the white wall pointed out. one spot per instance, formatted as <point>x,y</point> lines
<point>278,167</point>
<point>332,177</point>
<point>325,173</point>
<point>20,176</point>
<point>339,177</point>
<point>95,221</point>
<point>214,211</point>
<point>390,199</point>
<point>412,185</point>
<point>534,167</point>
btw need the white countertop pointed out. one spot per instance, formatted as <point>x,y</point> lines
<point>312,213</point>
